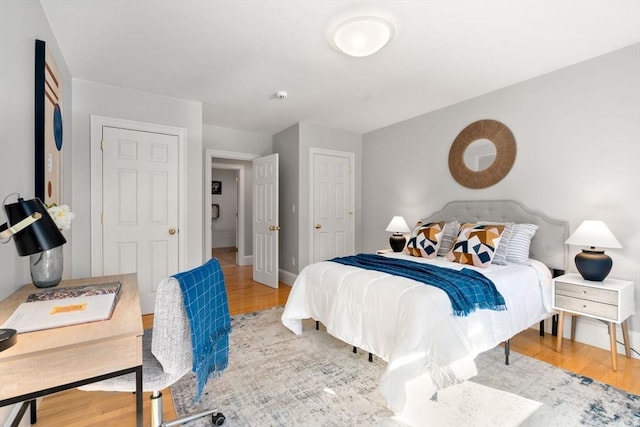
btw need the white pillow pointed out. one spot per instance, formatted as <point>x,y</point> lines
<point>520,242</point>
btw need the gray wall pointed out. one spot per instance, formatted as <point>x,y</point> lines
<point>578,140</point>
<point>21,23</point>
<point>286,144</point>
<point>294,184</point>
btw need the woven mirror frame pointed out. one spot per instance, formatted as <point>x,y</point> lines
<point>504,142</point>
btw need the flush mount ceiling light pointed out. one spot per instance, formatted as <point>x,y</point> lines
<point>362,36</point>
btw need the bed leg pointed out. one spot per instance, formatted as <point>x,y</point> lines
<point>506,352</point>
<point>317,325</point>
<point>542,328</point>
<point>554,325</point>
<point>370,357</point>
<point>355,350</point>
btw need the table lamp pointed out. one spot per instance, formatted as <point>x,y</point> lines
<point>397,226</point>
<point>592,263</point>
<point>33,230</point>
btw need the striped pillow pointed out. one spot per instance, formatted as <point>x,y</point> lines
<point>520,242</point>
<point>450,232</point>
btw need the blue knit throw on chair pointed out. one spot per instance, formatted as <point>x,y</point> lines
<point>205,299</point>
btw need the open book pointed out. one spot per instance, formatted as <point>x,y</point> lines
<point>54,308</point>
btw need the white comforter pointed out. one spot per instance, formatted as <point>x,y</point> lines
<point>410,325</point>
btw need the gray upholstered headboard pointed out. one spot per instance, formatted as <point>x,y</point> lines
<point>547,245</point>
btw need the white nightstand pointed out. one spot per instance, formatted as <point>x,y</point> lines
<point>384,251</point>
<point>611,301</point>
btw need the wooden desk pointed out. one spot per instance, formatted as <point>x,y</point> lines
<point>52,360</point>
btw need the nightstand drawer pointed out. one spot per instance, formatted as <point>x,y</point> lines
<point>607,296</point>
<point>583,306</point>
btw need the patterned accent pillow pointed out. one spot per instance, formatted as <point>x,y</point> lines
<point>520,242</point>
<point>425,239</point>
<point>500,257</point>
<point>476,244</point>
<point>450,232</point>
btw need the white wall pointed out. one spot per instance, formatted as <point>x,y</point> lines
<point>578,139</point>
<point>240,141</point>
<point>21,23</point>
<point>111,101</point>
<point>220,138</point>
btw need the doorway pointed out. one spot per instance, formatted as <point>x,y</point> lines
<point>239,162</point>
<point>225,183</point>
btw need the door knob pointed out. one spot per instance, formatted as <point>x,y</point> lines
<point>318,226</point>
<point>172,231</point>
<point>274,228</point>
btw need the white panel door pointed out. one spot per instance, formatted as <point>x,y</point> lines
<point>140,207</point>
<point>265,220</point>
<point>332,206</point>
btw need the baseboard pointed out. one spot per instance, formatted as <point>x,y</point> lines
<point>596,333</point>
<point>287,277</point>
<point>245,260</point>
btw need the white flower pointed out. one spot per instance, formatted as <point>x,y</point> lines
<point>61,215</point>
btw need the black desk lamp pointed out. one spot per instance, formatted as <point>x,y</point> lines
<point>33,230</point>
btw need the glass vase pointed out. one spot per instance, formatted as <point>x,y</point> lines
<point>46,267</point>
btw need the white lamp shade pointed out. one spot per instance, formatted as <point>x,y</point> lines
<point>362,36</point>
<point>398,225</point>
<point>593,234</point>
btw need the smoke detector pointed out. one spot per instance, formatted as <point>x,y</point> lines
<point>281,94</point>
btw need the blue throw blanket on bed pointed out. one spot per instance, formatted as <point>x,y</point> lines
<point>205,299</point>
<point>467,289</point>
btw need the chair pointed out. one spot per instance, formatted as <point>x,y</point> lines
<point>167,356</point>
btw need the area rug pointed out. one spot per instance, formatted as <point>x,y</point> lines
<point>276,378</point>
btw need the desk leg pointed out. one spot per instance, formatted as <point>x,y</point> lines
<point>559,336</point>
<point>625,337</point>
<point>34,416</point>
<point>614,345</point>
<point>139,415</point>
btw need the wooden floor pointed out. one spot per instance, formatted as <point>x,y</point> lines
<point>75,408</point>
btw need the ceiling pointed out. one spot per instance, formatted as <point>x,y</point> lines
<point>234,55</point>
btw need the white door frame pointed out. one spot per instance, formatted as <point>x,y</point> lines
<point>209,158</point>
<point>351,156</point>
<point>99,122</point>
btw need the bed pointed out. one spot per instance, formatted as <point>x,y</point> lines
<point>411,326</point>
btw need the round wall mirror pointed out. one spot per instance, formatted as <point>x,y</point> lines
<point>479,155</point>
<point>482,154</point>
